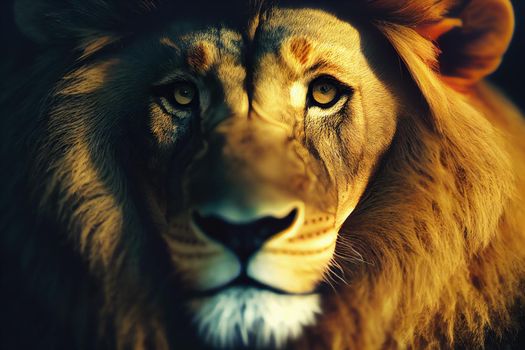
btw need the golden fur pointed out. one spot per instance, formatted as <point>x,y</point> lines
<point>410,197</point>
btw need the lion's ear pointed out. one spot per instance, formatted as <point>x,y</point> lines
<point>472,44</point>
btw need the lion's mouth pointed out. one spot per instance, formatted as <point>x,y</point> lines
<point>244,281</point>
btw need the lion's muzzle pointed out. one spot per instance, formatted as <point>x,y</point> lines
<point>252,217</point>
<point>243,189</point>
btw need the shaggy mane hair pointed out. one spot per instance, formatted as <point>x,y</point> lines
<point>439,232</point>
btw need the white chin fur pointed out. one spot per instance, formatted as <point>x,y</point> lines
<point>253,318</point>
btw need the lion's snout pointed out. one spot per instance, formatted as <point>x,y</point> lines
<point>249,215</point>
<point>240,189</point>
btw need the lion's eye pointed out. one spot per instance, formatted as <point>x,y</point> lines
<point>324,92</point>
<point>184,94</point>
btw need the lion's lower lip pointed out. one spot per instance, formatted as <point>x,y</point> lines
<point>244,281</point>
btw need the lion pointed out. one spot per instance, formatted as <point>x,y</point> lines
<point>285,174</point>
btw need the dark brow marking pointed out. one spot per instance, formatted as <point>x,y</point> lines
<point>301,48</point>
<point>198,58</point>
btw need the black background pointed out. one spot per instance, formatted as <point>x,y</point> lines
<point>510,76</point>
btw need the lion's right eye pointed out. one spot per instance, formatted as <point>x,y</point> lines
<point>325,92</point>
<point>179,96</point>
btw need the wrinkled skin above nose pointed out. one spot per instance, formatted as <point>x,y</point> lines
<point>248,169</point>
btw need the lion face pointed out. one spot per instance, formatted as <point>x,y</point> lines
<point>247,151</point>
<point>283,132</point>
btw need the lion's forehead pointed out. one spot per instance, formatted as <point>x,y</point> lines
<point>317,24</point>
<point>302,32</point>
<point>274,56</point>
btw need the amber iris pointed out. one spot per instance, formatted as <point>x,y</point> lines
<point>324,92</point>
<point>184,94</point>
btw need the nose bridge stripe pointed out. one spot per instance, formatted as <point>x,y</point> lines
<point>257,113</point>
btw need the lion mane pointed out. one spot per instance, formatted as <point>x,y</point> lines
<point>433,256</point>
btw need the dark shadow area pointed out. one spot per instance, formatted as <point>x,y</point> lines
<point>511,74</point>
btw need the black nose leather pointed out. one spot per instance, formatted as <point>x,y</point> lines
<point>243,239</point>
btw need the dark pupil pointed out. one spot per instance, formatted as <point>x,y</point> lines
<point>325,88</point>
<point>185,92</point>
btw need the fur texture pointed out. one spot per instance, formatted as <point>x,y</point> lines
<point>416,220</point>
<point>258,318</point>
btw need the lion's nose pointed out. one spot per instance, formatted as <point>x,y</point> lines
<point>245,238</point>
